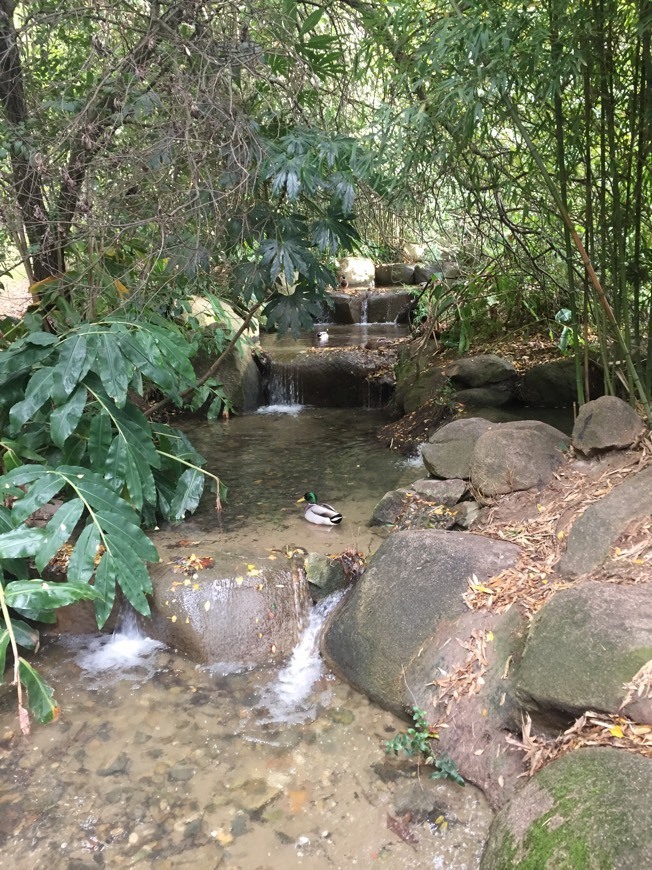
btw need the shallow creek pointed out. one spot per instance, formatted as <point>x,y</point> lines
<point>157,762</point>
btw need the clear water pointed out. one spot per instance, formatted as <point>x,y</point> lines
<point>157,762</point>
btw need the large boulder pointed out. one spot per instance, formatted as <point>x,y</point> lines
<point>358,271</point>
<point>449,450</point>
<point>447,492</point>
<point>606,423</point>
<point>594,533</point>
<point>391,274</point>
<point>414,581</point>
<point>461,677</point>
<point>554,384</point>
<point>417,385</point>
<point>234,612</point>
<point>480,371</point>
<point>583,647</point>
<point>592,808</point>
<point>509,457</point>
<point>222,315</point>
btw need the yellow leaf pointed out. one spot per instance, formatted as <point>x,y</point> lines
<point>617,731</point>
<point>239,581</point>
<point>560,535</point>
<point>123,292</point>
<point>477,587</point>
<point>489,635</point>
<point>35,286</point>
<point>439,820</point>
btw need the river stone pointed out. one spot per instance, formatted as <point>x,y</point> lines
<point>494,396</point>
<point>414,580</point>
<point>415,388</point>
<point>606,423</point>
<point>392,274</point>
<point>553,384</point>
<point>480,370</point>
<point>389,306</point>
<point>477,721</point>
<point>466,513</point>
<point>592,808</point>
<point>235,613</point>
<point>359,271</point>
<point>448,452</point>
<point>594,533</point>
<point>509,457</point>
<point>447,492</point>
<point>425,271</point>
<point>347,307</point>
<point>389,508</point>
<point>584,645</point>
<point>324,575</point>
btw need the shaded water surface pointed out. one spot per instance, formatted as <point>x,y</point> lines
<point>156,762</point>
<point>170,765</point>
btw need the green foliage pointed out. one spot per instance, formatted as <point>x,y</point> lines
<point>417,741</point>
<point>75,441</point>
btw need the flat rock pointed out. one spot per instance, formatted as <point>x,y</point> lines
<point>583,646</point>
<point>606,423</point>
<point>447,492</point>
<point>391,274</point>
<point>592,808</point>
<point>594,533</point>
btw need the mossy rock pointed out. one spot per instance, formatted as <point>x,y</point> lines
<point>589,810</point>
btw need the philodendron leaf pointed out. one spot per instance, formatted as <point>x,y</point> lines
<point>40,700</point>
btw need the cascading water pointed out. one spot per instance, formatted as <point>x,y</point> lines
<point>284,392</point>
<point>364,310</point>
<point>288,699</point>
<point>128,651</point>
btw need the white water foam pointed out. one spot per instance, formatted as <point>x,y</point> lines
<point>287,700</point>
<point>126,653</point>
<point>294,410</point>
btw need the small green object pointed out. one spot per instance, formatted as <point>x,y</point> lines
<point>417,741</point>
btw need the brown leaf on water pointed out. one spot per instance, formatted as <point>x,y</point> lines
<point>401,827</point>
<point>298,800</point>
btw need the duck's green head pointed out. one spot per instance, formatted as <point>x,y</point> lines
<point>310,497</point>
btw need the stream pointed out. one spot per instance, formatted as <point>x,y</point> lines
<point>158,762</point>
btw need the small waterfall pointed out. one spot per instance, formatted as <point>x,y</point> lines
<point>364,309</point>
<point>283,387</point>
<point>128,649</point>
<point>287,700</point>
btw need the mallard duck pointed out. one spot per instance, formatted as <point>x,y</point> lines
<point>343,282</point>
<point>319,514</point>
<point>322,337</point>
